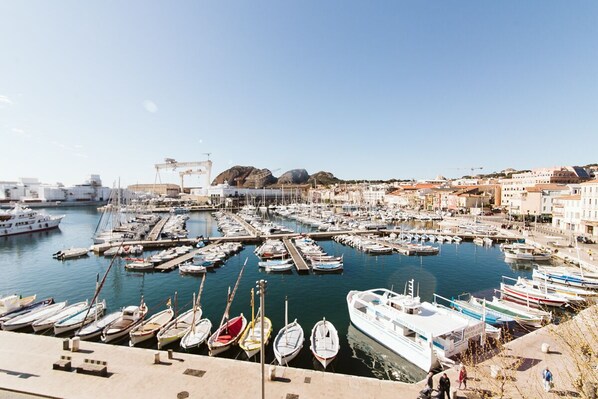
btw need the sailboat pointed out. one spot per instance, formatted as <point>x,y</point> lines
<point>251,340</point>
<point>289,340</point>
<point>230,329</point>
<point>200,328</point>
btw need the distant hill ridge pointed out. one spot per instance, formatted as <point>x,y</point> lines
<point>252,177</point>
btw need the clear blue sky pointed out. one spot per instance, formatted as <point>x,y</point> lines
<point>366,90</point>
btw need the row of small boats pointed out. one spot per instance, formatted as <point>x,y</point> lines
<point>318,259</point>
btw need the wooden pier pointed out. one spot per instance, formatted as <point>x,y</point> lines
<point>250,229</point>
<point>300,263</point>
<point>155,233</point>
<point>174,263</point>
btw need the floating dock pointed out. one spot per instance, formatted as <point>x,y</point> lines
<point>300,263</point>
<point>249,228</point>
<point>155,233</point>
<point>174,263</point>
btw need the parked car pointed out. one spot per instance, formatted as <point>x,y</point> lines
<point>584,240</point>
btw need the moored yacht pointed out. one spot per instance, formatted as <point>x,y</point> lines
<point>418,331</point>
<point>21,220</point>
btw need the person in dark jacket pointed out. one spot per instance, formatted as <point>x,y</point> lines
<point>444,386</point>
<point>430,381</point>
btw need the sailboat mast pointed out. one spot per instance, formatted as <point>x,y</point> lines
<point>232,295</point>
<point>252,313</point>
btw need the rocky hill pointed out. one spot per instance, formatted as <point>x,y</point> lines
<point>325,178</point>
<point>251,177</point>
<point>294,176</point>
<point>245,176</point>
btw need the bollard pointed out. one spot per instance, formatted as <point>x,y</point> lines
<point>76,341</point>
<point>545,348</point>
<point>66,344</point>
<point>157,358</point>
<point>272,373</point>
<point>170,353</point>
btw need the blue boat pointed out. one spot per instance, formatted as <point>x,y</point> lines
<point>475,310</point>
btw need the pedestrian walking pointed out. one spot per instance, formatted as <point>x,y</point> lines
<point>547,379</point>
<point>444,386</point>
<point>462,378</point>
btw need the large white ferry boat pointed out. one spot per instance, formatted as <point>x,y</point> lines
<point>422,333</point>
<point>21,220</point>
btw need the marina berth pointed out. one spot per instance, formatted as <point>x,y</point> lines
<point>28,318</point>
<point>25,309</point>
<point>566,276</point>
<point>81,318</point>
<point>526,294</point>
<point>251,339</point>
<point>12,303</point>
<point>324,343</point>
<point>525,316</point>
<point>197,334</point>
<point>95,328</point>
<point>477,308</point>
<point>48,322</point>
<point>150,327</point>
<point>289,340</point>
<point>418,331</point>
<point>131,317</point>
<point>20,220</point>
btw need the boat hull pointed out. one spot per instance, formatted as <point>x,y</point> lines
<point>422,357</point>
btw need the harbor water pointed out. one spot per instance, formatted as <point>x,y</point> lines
<point>27,267</point>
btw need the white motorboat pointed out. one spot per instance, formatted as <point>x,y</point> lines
<point>289,340</point>
<point>71,253</point>
<point>85,316</point>
<point>324,342</point>
<point>48,322</point>
<point>150,327</point>
<point>526,253</point>
<point>419,331</point>
<point>189,268</point>
<point>21,220</point>
<point>140,266</point>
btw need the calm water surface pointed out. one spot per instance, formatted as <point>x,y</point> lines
<point>27,267</point>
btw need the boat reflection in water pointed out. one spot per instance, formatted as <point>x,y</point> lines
<point>383,363</point>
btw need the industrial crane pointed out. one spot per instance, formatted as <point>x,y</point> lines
<point>471,168</point>
<point>170,163</point>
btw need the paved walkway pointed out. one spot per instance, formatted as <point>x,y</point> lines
<point>26,366</point>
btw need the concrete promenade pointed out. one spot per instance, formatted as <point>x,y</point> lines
<point>26,367</point>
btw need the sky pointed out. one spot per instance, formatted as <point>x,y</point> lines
<point>365,90</point>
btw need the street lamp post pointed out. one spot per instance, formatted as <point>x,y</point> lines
<point>261,285</point>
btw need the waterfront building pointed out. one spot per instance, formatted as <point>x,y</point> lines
<point>566,213</point>
<point>514,186</point>
<point>31,191</point>
<point>589,208</point>
<point>537,200</point>
<point>219,194</point>
<point>166,190</point>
